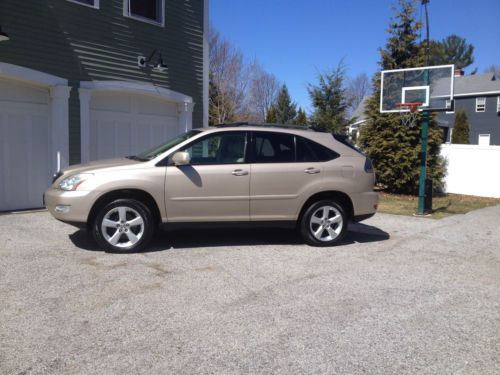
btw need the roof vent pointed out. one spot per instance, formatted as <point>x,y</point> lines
<point>459,72</point>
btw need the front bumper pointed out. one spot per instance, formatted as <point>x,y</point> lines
<point>69,206</point>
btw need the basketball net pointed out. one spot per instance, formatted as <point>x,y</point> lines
<point>408,113</point>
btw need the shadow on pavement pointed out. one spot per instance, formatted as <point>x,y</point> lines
<point>196,238</point>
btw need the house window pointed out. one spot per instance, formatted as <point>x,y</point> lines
<point>480,104</point>
<point>89,3</point>
<point>151,11</point>
<point>449,106</point>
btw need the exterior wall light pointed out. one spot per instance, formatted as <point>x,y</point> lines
<point>160,66</point>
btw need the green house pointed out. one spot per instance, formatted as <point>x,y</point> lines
<point>82,80</point>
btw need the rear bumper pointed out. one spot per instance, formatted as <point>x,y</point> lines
<point>71,207</point>
<point>364,204</point>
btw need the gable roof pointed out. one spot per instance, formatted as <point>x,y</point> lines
<point>476,84</point>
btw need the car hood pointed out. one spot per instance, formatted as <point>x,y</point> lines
<point>96,166</point>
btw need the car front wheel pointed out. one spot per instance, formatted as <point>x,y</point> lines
<point>123,226</point>
<point>324,223</point>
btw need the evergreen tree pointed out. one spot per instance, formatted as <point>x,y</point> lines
<point>393,148</point>
<point>452,50</point>
<point>460,133</point>
<point>271,116</point>
<point>301,118</point>
<point>285,109</point>
<point>329,100</point>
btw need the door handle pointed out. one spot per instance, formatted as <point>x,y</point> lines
<point>312,170</point>
<point>239,172</point>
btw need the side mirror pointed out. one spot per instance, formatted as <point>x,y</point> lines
<point>181,158</point>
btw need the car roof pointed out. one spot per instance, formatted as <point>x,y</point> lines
<point>320,136</point>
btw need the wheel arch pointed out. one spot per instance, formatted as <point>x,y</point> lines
<point>137,194</point>
<point>340,197</point>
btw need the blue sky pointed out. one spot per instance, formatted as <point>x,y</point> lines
<point>293,39</point>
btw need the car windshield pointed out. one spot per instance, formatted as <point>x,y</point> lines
<point>160,149</point>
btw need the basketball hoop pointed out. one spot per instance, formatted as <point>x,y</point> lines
<point>408,112</point>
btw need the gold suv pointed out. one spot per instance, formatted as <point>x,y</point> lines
<point>231,174</point>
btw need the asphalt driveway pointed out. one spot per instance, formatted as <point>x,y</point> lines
<point>400,295</point>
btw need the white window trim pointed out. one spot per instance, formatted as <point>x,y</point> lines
<point>483,105</point>
<point>95,6</point>
<point>451,106</point>
<point>126,13</point>
<point>498,104</point>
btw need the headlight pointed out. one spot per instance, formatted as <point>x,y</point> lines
<point>72,182</point>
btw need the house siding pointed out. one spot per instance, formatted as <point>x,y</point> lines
<point>487,122</point>
<point>80,43</point>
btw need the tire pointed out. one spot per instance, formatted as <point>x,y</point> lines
<point>326,215</point>
<point>123,226</point>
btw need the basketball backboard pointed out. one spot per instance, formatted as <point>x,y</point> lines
<point>431,85</point>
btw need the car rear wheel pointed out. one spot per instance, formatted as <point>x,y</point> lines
<point>123,226</point>
<point>324,223</point>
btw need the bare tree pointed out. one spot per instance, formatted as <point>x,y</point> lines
<point>495,69</point>
<point>263,92</point>
<point>228,79</point>
<point>357,89</point>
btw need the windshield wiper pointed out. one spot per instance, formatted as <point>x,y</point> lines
<point>135,157</point>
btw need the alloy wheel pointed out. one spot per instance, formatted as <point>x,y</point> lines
<point>122,227</point>
<point>326,223</point>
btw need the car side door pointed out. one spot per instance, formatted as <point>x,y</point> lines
<point>215,186</point>
<point>283,169</point>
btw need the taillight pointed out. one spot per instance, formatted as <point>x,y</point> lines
<point>368,166</point>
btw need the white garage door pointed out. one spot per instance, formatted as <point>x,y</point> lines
<point>24,145</point>
<point>125,124</point>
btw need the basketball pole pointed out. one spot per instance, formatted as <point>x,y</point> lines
<point>425,126</point>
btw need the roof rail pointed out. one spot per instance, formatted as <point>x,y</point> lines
<point>279,126</point>
<point>230,124</point>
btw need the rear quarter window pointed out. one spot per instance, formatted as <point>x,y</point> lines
<point>308,151</point>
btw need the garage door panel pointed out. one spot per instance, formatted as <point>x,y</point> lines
<point>141,138</point>
<point>24,170</point>
<point>40,157</point>
<point>122,139</point>
<point>148,105</point>
<point>113,103</point>
<point>116,134</point>
<point>20,92</point>
<point>105,139</point>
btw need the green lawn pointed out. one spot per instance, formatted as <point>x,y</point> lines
<point>442,205</point>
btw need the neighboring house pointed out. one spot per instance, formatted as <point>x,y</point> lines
<point>358,118</point>
<point>71,88</point>
<point>479,96</point>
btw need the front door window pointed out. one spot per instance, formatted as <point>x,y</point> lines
<point>223,148</point>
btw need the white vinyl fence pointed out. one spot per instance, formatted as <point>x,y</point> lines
<point>472,169</point>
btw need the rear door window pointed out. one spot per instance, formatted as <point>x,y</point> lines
<point>271,147</point>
